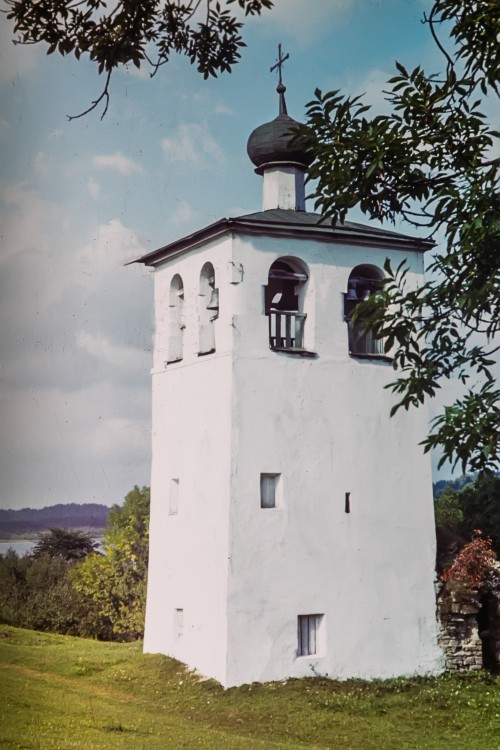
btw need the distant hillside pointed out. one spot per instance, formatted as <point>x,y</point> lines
<point>455,484</point>
<point>31,521</point>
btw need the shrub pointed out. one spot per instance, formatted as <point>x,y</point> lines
<point>473,563</point>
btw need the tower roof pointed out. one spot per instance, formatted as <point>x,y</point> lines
<point>276,142</point>
<point>292,224</point>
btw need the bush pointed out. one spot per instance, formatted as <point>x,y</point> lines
<point>473,563</point>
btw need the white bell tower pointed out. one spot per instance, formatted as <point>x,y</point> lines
<point>292,528</point>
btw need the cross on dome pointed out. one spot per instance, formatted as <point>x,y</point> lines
<point>280,88</point>
<point>276,143</point>
<point>279,64</point>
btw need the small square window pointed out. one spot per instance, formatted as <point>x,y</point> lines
<point>308,633</point>
<point>270,490</point>
<point>173,507</point>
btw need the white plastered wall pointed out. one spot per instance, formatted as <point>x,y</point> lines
<point>191,442</point>
<point>324,425</point>
<point>242,574</point>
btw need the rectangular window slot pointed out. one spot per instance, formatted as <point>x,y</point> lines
<point>179,623</point>
<point>308,634</point>
<point>347,502</point>
<point>270,490</point>
<point>173,507</point>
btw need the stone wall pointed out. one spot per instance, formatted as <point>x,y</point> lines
<point>459,633</point>
<point>470,624</point>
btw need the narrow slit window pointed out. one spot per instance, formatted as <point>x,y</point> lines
<point>269,490</point>
<point>308,632</point>
<point>173,508</point>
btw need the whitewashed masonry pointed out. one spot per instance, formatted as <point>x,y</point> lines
<point>292,528</point>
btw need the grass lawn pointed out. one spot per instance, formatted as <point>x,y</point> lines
<point>60,692</point>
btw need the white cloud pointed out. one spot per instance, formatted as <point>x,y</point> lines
<point>372,86</point>
<point>223,109</point>
<point>4,126</point>
<point>113,246</point>
<point>93,188</point>
<point>183,212</point>
<point>192,143</point>
<point>75,357</point>
<point>81,448</point>
<point>118,163</point>
<point>28,221</point>
<point>124,358</point>
<point>42,164</point>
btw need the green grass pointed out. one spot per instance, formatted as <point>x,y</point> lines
<point>62,693</point>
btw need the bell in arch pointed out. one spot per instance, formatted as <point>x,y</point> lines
<point>351,295</point>
<point>213,303</point>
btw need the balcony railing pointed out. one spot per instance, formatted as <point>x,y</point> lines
<point>286,329</point>
<point>364,343</point>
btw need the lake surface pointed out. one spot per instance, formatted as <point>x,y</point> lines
<point>21,546</point>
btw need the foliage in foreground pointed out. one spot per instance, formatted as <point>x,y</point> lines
<point>36,592</point>
<point>66,586</point>
<point>67,544</point>
<point>430,163</point>
<point>63,692</point>
<point>128,32</point>
<point>474,562</point>
<point>115,583</point>
<point>475,506</point>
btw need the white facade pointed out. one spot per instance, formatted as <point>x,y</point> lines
<point>229,579</point>
<point>283,187</point>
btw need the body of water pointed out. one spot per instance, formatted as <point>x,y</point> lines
<point>21,546</point>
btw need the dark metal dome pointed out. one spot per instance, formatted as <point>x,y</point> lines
<point>275,141</point>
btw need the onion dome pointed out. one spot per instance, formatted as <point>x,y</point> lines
<point>274,142</point>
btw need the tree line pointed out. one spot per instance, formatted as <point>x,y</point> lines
<point>66,585</point>
<point>91,516</point>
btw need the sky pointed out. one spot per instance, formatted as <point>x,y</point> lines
<point>81,198</point>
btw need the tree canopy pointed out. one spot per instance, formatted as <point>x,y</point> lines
<point>66,586</point>
<point>115,582</point>
<point>129,32</point>
<point>433,164</point>
<point>67,544</point>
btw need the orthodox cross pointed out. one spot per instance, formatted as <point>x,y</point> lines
<point>279,64</point>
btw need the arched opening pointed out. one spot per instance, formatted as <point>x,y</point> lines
<point>208,309</point>
<point>176,319</point>
<point>284,305</point>
<point>363,282</point>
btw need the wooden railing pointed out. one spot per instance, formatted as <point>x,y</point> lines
<point>363,343</point>
<point>286,329</point>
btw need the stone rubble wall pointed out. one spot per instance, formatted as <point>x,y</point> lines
<point>459,636</point>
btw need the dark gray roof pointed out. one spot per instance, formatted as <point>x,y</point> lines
<point>276,141</point>
<point>282,223</point>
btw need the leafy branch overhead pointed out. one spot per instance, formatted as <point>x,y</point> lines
<point>432,163</point>
<point>140,33</point>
